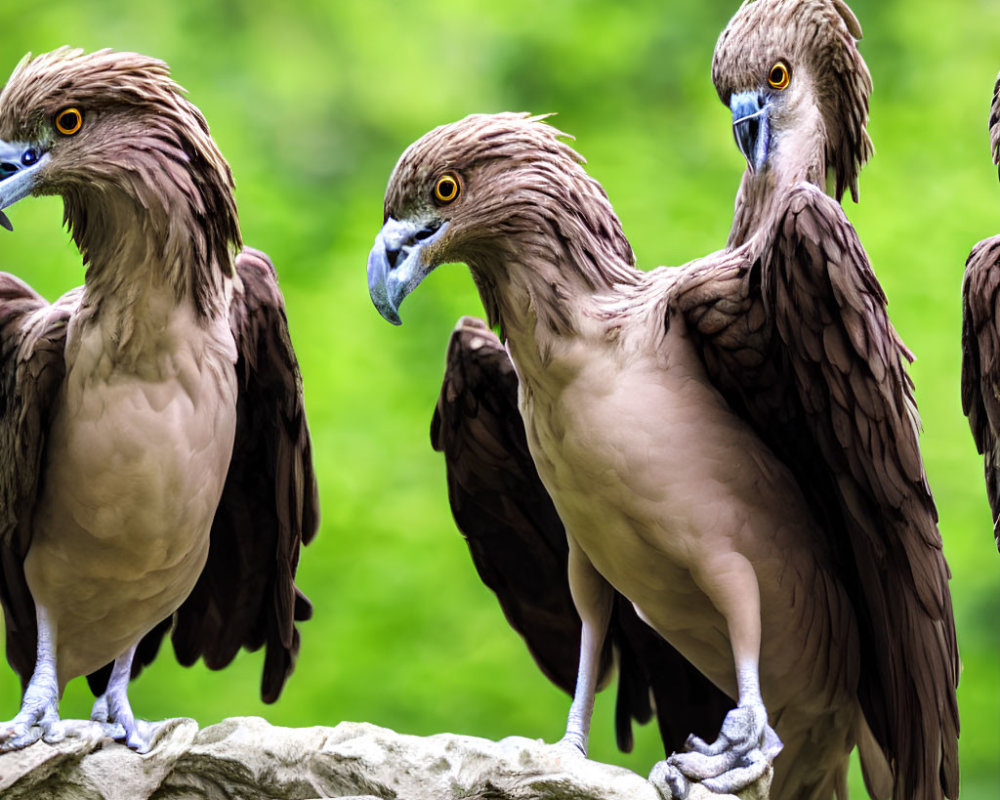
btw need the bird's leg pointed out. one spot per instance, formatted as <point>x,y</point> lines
<point>40,704</point>
<point>113,708</point>
<point>746,745</point>
<point>593,598</point>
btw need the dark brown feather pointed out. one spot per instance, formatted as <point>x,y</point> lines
<point>32,343</point>
<point>519,548</point>
<point>246,595</point>
<point>981,361</point>
<point>848,428</point>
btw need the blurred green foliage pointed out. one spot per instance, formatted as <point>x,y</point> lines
<point>312,102</point>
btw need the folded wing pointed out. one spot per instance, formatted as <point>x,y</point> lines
<point>798,340</point>
<point>32,366</point>
<point>246,595</point>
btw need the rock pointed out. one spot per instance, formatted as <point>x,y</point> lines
<point>249,759</point>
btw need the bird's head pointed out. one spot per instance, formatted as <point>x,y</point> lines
<point>476,188</point>
<point>791,73</point>
<point>110,130</point>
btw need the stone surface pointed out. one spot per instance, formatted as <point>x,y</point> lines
<point>249,759</point>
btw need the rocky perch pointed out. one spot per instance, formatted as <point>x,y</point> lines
<point>249,759</point>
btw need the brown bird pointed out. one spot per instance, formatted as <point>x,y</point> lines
<point>732,445</point>
<point>798,89</point>
<point>981,343</point>
<point>519,548</point>
<point>155,466</point>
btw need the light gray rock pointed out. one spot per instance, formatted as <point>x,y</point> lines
<point>249,759</point>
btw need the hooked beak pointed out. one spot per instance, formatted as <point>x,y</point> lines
<point>751,127</point>
<point>19,167</point>
<point>397,263</point>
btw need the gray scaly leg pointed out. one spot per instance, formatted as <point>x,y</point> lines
<point>113,708</point>
<point>40,704</point>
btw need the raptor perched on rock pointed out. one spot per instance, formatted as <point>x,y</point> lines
<point>731,446</point>
<point>155,465</point>
<point>981,343</point>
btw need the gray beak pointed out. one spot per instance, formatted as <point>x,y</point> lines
<point>396,263</point>
<point>751,127</point>
<point>19,166</point>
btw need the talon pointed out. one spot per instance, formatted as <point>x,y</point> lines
<point>669,782</point>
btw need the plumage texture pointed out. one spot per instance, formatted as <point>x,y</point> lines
<point>803,383</point>
<point>149,200</point>
<point>826,328</point>
<point>819,39</point>
<point>518,545</point>
<point>981,343</point>
<point>995,123</point>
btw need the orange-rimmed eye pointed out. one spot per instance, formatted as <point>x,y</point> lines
<point>779,77</point>
<point>69,121</point>
<point>446,189</point>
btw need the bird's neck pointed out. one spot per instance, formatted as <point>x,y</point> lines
<point>143,262</point>
<point>798,155</point>
<point>543,285</point>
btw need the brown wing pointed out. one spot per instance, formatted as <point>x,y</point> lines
<point>800,343</point>
<point>32,345</point>
<point>981,361</point>
<point>518,545</point>
<point>246,595</point>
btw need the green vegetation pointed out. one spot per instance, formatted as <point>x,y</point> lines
<point>313,101</point>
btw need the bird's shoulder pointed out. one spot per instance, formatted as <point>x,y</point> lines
<point>32,366</point>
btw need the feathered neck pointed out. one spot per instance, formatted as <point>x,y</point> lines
<point>798,155</point>
<point>161,215</point>
<point>560,244</point>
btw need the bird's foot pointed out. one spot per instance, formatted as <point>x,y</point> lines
<point>739,757</point>
<point>115,713</point>
<point>33,724</point>
<point>39,713</point>
<point>574,742</point>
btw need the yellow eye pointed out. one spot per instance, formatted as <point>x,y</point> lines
<point>447,188</point>
<point>779,77</point>
<point>69,121</point>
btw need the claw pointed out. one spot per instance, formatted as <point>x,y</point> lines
<point>739,777</point>
<point>669,781</point>
<point>739,757</point>
<point>15,735</point>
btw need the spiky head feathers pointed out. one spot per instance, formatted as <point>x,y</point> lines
<point>511,169</point>
<point>136,136</point>
<point>817,40</point>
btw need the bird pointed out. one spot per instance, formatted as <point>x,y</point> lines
<point>731,445</point>
<point>155,463</point>
<point>798,89</point>
<point>980,342</point>
<point>518,546</point>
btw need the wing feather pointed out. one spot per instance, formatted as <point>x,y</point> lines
<point>831,396</point>
<point>32,366</point>
<point>980,362</point>
<point>519,548</point>
<point>246,595</point>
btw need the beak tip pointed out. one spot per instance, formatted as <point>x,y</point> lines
<point>5,222</point>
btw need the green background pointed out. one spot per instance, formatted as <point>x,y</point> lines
<point>312,102</point>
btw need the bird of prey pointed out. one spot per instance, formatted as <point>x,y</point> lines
<point>155,464</point>
<point>519,548</point>
<point>732,445</point>
<point>981,343</point>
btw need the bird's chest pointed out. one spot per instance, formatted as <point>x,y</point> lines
<point>139,448</point>
<point>606,449</point>
<point>654,475</point>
